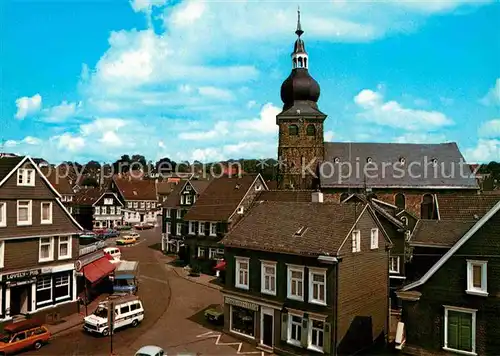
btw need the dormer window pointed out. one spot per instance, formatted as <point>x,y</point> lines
<point>240,210</point>
<point>402,160</point>
<point>258,187</point>
<point>188,187</point>
<point>301,231</point>
<point>369,160</point>
<point>336,160</point>
<point>108,201</point>
<point>26,177</point>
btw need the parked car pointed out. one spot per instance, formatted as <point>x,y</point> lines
<point>150,350</point>
<point>143,226</point>
<point>23,335</point>
<point>113,252</point>
<point>126,240</point>
<point>124,227</point>
<point>136,235</point>
<point>128,312</point>
<point>109,233</point>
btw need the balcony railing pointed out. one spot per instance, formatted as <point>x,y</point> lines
<point>99,245</point>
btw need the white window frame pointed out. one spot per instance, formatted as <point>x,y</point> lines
<point>108,201</point>
<point>483,291</point>
<point>310,345</point>
<point>136,204</point>
<point>213,229</point>
<point>129,204</point>
<point>397,259</point>
<point>289,295</point>
<point>143,205</point>
<point>188,199</point>
<point>313,271</point>
<point>212,253</point>
<point>2,254</point>
<point>178,229</point>
<point>473,325</point>
<point>179,213</point>
<point>49,277</point>
<point>241,209</point>
<point>118,210</point>
<point>356,241</point>
<point>24,174</point>
<point>201,228</point>
<point>272,277</point>
<point>51,249</point>
<point>192,228</point>
<point>167,213</point>
<point>97,210</point>
<point>69,242</point>
<point>237,281</point>
<point>30,213</point>
<point>48,221</point>
<point>169,228</point>
<point>188,187</point>
<point>62,284</point>
<point>289,339</point>
<point>148,205</point>
<point>112,210</point>
<point>374,234</point>
<point>3,214</point>
<point>201,251</point>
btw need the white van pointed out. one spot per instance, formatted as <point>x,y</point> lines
<point>128,311</point>
<point>115,253</point>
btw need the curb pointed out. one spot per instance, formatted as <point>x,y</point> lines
<point>67,328</point>
<point>187,278</point>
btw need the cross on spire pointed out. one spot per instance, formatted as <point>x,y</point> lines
<point>299,31</point>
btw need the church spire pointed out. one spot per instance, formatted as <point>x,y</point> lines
<point>299,31</point>
<point>299,55</point>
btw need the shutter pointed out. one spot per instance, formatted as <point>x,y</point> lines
<point>453,318</point>
<point>284,327</point>
<point>465,332</point>
<point>304,332</point>
<point>327,336</point>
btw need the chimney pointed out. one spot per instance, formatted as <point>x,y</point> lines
<point>317,197</point>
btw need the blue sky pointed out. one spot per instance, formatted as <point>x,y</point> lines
<point>200,80</point>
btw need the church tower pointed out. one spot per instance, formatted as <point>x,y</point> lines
<point>300,145</point>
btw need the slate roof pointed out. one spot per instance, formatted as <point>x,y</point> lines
<point>136,189</point>
<point>165,188</point>
<point>88,196</point>
<point>465,207</point>
<point>58,179</point>
<point>439,233</point>
<point>304,109</point>
<point>384,172</point>
<point>303,196</point>
<point>174,198</point>
<point>221,198</point>
<point>271,226</point>
<point>7,164</point>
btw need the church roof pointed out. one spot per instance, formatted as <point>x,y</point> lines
<point>395,165</point>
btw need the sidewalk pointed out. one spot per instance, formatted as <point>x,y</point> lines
<point>74,320</point>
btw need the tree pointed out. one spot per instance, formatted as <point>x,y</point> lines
<point>90,182</point>
<point>165,166</point>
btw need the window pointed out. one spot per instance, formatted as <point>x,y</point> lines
<point>179,213</point>
<point>192,227</point>
<point>201,228</point>
<point>188,187</point>
<point>179,229</point>
<point>268,278</point>
<point>212,253</point>
<point>295,283</point>
<point>124,309</point>
<point>201,252</point>
<point>46,252</point>
<point>394,265</point>
<point>293,130</point>
<point>134,306</point>
<point>427,207</point>
<point>43,290</point>
<point>242,321</point>
<point>213,229</point>
<point>24,212</point>
<point>112,210</point>
<point>136,204</point>
<point>3,214</point>
<point>374,238</point>
<point>169,228</point>
<point>460,329</point>
<point>2,253</point>
<point>64,247</point>
<point>182,199</point>
<point>167,213</point>
<point>356,241</point>
<point>143,205</point>
<point>242,267</point>
<point>70,210</point>
<point>108,201</point>
<point>129,204</point>
<point>26,177</point>
<point>240,210</point>
<point>294,329</point>
<point>477,277</point>
<point>400,201</point>
<point>188,199</point>
<point>317,286</point>
<point>311,130</point>
<point>118,210</point>
<point>97,210</point>
<point>148,205</point>
<point>61,290</point>
<point>316,335</point>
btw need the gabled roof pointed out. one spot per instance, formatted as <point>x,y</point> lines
<point>465,207</point>
<point>58,178</point>
<point>108,193</point>
<point>87,196</point>
<point>221,198</point>
<point>165,188</point>
<point>7,165</point>
<point>454,249</point>
<point>439,233</point>
<point>272,226</point>
<point>417,172</point>
<point>136,189</point>
<point>174,198</point>
<point>303,196</point>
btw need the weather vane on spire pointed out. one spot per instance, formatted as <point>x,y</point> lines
<point>299,31</point>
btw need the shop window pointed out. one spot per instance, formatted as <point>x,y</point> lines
<point>295,330</point>
<point>43,290</point>
<point>62,287</point>
<point>242,321</point>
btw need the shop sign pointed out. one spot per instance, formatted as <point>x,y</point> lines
<point>46,270</point>
<point>21,275</point>
<point>20,283</point>
<point>85,260</point>
<point>241,303</point>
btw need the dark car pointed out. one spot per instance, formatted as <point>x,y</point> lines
<point>109,233</point>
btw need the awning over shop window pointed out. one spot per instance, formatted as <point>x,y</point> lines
<point>221,266</point>
<point>98,269</point>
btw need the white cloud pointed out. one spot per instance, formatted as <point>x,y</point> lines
<point>490,129</point>
<point>28,106</point>
<point>493,95</point>
<point>216,93</point>
<point>146,5</point>
<point>60,112</point>
<point>328,136</point>
<point>393,114</point>
<point>219,131</point>
<point>69,142</point>
<point>101,125</point>
<point>485,151</point>
<point>238,150</point>
<point>266,123</point>
<point>420,138</point>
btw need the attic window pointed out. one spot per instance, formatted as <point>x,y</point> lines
<point>369,160</point>
<point>240,210</point>
<point>402,160</point>
<point>135,193</point>
<point>434,161</point>
<point>258,187</point>
<point>188,187</point>
<point>336,160</point>
<point>300,231</point>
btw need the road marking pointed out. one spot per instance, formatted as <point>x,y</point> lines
<point>218,336</point>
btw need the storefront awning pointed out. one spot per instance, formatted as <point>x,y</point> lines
<point>98,269</point>
<point>221,266</point>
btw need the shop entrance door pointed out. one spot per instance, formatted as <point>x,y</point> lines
<point>267,327</point>
<point>19,299</point>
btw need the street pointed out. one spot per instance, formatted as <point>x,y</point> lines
<point>173,314</point>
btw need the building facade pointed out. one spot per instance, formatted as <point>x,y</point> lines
<point>107,211</point>
<point>38,244</point>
